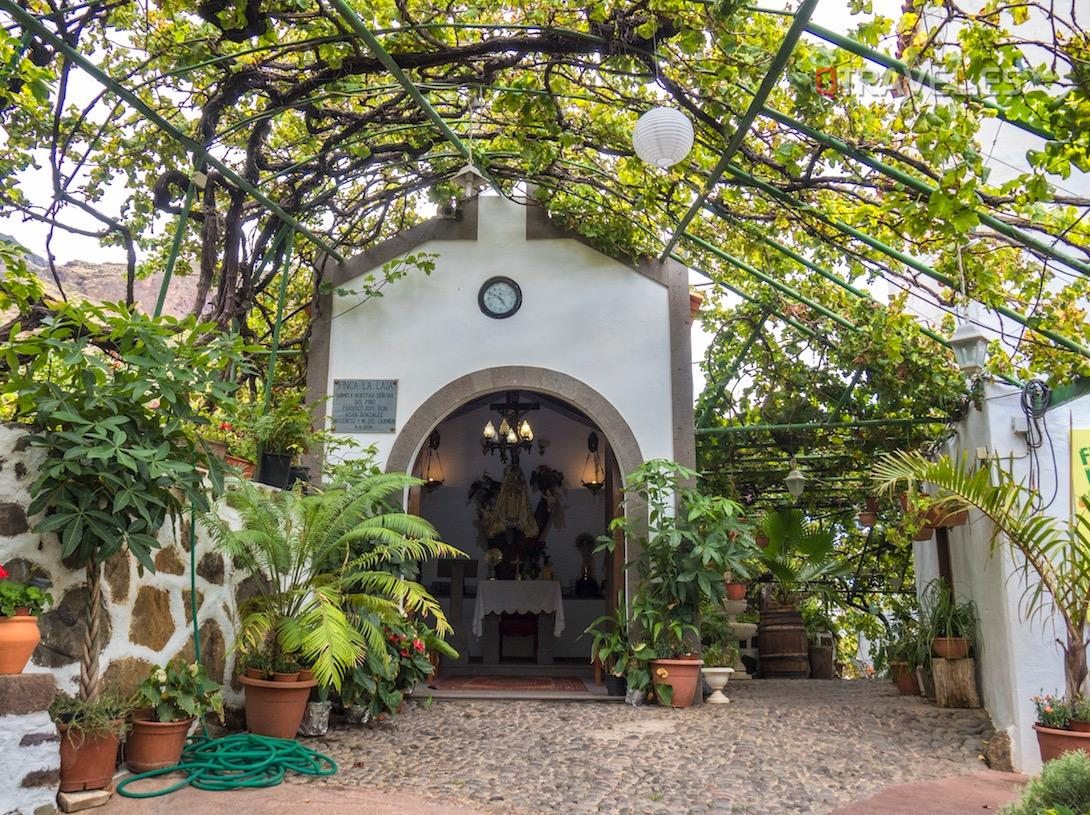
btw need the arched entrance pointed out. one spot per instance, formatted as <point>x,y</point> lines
<point>543,551</point>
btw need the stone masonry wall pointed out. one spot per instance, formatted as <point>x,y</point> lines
<point>29,745</point>
<point>149,617</point>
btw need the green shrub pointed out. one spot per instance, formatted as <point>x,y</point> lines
<point>1064,782</point>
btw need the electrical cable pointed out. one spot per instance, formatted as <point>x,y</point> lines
<point>1035,400</point>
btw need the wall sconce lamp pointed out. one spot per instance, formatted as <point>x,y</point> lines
<point>593,473</point>
<point>433,465</point>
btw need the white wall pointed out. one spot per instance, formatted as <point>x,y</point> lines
<point>583,314</point>
<point>1018,658</point>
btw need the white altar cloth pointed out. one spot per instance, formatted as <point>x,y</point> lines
<point>518,597</point>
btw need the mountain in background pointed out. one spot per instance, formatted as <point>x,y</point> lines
<point>105,282</point>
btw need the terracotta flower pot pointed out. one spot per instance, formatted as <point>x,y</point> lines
<point>154,745</point>
<point>1054,742</point>
<point>255,673</point>
<point>1079,726</point>
<point>87,763</point>
<point>868,519</point>
<point>245,465</point>
<point>904,679</point>
<point>275,708</point>
<point>923,534</point>
<point>305,675</point>
<point>285,676</point>
<point>736,591</point>
<point>19,636</point>
<point>761,540</point>
<point>682,675</point>
<point>950,647</point>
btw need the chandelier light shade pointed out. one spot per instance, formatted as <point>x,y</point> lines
<point>970,347</point>
<point>514,432</point>
<point>663,137</point>
<point>433,465</point>
<point>593,474</point>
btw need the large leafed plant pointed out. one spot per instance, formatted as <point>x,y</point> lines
<point>1053,554</point>
<point>322,564</point>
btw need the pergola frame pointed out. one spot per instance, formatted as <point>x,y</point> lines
<point>703,202</point>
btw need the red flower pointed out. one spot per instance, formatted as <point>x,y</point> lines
<point>419,646</point>
<point>4,573</point>
<point>226,426</point>
<point>404,653</point>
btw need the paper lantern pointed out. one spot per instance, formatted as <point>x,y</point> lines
<point>663,137</point>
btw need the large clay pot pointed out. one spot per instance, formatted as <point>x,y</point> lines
<point>682,675</point>
<point>950,647</point>
<point>1053,742</point>
<point>19,636</point>
<point>275,708</point>
<point>246,466</point>
<point>783,644</point>
<point>87,762</point>
<point>153,745</point>
<point>736,591</point>
<point>904,679</point>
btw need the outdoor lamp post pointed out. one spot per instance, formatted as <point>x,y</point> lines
<point>663,137</point>
<point>970,348</point>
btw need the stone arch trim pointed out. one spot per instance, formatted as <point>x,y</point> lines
<point>514,377</point>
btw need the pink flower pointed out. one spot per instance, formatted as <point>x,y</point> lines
<point>404,653</point>
<point>4,573</point>
<point>419,646</point>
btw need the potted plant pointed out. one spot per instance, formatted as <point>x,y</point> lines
<point>326,586</point>
<point>167,703</point>
<point>1058,554</point>
<point>952,624</point>
<point>799,554</point>
<point>226,439</point>
<point>717,669</point>
<point>281,433</point>
<point>903,652</point>
<point>611,648</point>
<point>637,678</point>
<point>20,605</point>
<point>90,732</point>
<point>688,541</point>
<point>868,516</point>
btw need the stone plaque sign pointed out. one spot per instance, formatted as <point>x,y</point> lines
<point>364,405</point>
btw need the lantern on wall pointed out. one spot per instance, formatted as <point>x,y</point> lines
<point>970,348</point>
<point>663,137</point>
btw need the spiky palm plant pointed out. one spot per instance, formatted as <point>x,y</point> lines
<point>1058,553</point>
<point>799,552</point>
<point>320,566</point>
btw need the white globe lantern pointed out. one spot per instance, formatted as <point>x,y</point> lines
<point>663,137</point>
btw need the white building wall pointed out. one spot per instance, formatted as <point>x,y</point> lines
<point>583,314</point>
<point>1018,658</point>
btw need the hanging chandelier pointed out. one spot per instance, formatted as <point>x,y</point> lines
<point>593,473</point>
<point>514,433</point>
<point>433,465</point>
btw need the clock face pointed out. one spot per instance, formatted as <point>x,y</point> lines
<point>499,297</point>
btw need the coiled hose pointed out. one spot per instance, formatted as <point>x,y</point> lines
<point>238,761</point>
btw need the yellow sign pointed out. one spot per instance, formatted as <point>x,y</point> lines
<point>1080,470</point>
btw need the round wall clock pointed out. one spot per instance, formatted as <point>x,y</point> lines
<point>499,297</point>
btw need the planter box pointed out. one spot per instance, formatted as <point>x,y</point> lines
<point>1053,742</point>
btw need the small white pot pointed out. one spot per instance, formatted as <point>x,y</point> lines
<point>717,680</point>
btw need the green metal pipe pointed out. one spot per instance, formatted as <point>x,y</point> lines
<point>756,104</point>
<point>29,21</point>
<point>388,62</point>
<point>925,188</point>
<point>767,428</point>
<point>771,281</point>
<point>908,260</point>
<point>175,248</point>
<point>729,376</point>
<point>274,345</point>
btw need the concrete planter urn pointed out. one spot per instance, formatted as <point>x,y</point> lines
<point>717,680</point>
<point>1054,742</point>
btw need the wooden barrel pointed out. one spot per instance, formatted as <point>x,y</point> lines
<point>821,662</point>
<point>784,648</point>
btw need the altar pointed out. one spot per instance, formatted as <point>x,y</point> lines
<point>541,598</point>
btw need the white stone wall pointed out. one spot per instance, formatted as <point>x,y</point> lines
<point>149,613</point>
<point>32,759</point>
<point>583,314</point>
<point>1018,657</point>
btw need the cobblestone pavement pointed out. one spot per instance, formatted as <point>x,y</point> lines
<point>782,746</point>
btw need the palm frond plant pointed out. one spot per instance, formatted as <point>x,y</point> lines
<point>1057,553</point>
<point>321,560</point>
<point>799,554</point>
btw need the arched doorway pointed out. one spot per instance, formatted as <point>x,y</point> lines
<point>559,519</point>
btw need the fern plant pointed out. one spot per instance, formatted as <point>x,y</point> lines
<point>321,560</point>
<point>1057,553</point>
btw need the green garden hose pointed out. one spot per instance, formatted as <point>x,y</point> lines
<point>239,761</point>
